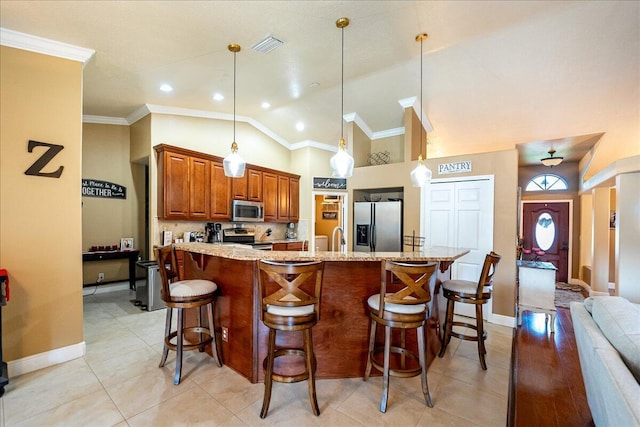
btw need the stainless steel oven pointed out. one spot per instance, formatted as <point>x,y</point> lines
<point>244,211</point>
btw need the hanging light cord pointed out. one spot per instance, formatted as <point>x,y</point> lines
<point>234,96</point>
<point>342,93</point>
<point>421,113</point>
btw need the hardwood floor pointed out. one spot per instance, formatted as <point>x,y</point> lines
<point>547,387</point>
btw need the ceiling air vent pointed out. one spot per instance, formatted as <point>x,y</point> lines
<point>267,44</point>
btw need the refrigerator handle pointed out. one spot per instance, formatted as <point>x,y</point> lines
<point>372,244</point>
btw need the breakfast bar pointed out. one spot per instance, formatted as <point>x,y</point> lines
<point>341,335</point>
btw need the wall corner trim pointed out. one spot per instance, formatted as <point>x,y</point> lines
<point>44,46</point>
<point>44,360</point>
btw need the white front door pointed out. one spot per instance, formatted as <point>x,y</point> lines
<point>459,212</point>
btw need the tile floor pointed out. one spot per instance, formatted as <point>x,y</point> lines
<point>118,383</point>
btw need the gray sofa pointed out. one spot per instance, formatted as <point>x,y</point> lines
<point>607,331</point>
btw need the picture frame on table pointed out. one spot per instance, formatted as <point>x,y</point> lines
<point>126,244</point>
<point>167,238</point>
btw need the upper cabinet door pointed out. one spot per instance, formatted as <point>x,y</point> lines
<point>254,185</point>
<point>283,199</point>
<point>220,193</point>
<point>199,194</point>
<point>239,187</point>
<point>270,196</point>
<point>294,199</point>
<point>176,186</point>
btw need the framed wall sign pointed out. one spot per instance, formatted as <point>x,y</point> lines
<point>320,183</point>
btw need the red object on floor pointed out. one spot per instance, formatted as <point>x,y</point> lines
<point>4,277</point>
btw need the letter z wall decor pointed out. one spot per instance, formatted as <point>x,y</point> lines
<point>36,168</point>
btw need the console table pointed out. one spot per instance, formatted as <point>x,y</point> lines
<point>131,255</point>
<point>537,289</point>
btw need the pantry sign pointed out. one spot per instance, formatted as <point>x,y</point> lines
<point>104,189</point>
<point>457,167</point>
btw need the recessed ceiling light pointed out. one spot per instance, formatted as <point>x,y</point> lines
<point>314,84</point>
<point>300,126</point>
<point>266,105</point>
<point>166,88</point>
<point>218,97</point>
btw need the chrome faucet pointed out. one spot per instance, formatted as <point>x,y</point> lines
<point>333,238</point>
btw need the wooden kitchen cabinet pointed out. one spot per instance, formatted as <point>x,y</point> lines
<point>174,188</point>
<point>192,186</point>
<point>239,188</point>
<point>199,194</point>
<point>249,187</point>
<point>254,185</point>
<point>220,193</point>
<point>270,196</point>
<point>291,246</point>
<point>283,199</point>
<point>294,199</point>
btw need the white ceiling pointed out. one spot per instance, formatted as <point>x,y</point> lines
<point>496,74</point>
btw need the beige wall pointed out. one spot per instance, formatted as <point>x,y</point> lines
<point>393,144</point>
<point>105,156</point>
<point>40,218</point>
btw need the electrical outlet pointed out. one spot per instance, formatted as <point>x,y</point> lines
<point>100,277</point>
<point>225,334</point>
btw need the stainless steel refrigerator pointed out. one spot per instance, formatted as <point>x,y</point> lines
<point>377,226</point>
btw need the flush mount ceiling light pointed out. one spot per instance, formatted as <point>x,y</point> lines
<point>421,175</point>
<point>551,160</point>
<point>233,164</point>
<point>342,162</point>
<point>267,44</point>
<point>166,87</point>
<point>218,97</point>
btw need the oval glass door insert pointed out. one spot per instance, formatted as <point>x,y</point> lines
<point>545,231</point>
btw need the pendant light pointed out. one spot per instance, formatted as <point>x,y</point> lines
<point>421,175</point>
<point>342,162</point>
<point>552,161</point>
<point>233,164</point>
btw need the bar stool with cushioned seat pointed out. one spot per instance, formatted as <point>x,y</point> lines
<point>468,292</point>
<point>290,301</point>
<point>181,294</point>
<point>405,309</point>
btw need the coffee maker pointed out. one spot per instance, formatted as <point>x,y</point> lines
<point>212,231</point>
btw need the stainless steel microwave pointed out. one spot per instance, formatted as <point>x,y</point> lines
<point>244,211</point>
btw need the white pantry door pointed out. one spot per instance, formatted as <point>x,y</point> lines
<point>459,212</point>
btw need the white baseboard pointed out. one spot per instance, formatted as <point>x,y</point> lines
<point>500,319</point>
<point>46,359</point>
<point>103,289</point>
<point>593,293</point>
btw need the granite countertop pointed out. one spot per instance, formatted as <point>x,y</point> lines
<point>536,264</point>
<point>245,253</point>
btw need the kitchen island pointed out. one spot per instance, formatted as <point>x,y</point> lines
<point>341,336</point>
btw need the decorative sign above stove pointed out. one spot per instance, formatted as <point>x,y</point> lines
<point>457,167</point>
<point>329,183</point>
<point>104,189</point>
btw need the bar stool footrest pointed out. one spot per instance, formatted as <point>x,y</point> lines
<point>396,372</point>
<point>282,378</point>
<point>464,336</point>
<point>187,345</point>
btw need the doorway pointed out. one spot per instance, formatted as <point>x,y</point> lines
<point>329,221</point>
<point>546,226</point>
<point>459,212</point>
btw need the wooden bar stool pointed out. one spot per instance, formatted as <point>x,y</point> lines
<point>405,309</point>
<point>181,294</point>
<point>290,301</point>
<point>468,292</point>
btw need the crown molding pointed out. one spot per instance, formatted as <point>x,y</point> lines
<point>415,104</point>
<point>314,144</point>
<point>104,120</point>
<point>44,46</point>
<point>388,133</point>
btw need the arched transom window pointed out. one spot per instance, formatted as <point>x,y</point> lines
<point>546,182</point>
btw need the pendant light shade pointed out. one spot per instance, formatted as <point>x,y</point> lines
<point>552,161</point>
<point>342,162</point>
<point>421,175</point>
<point>233,164</point>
